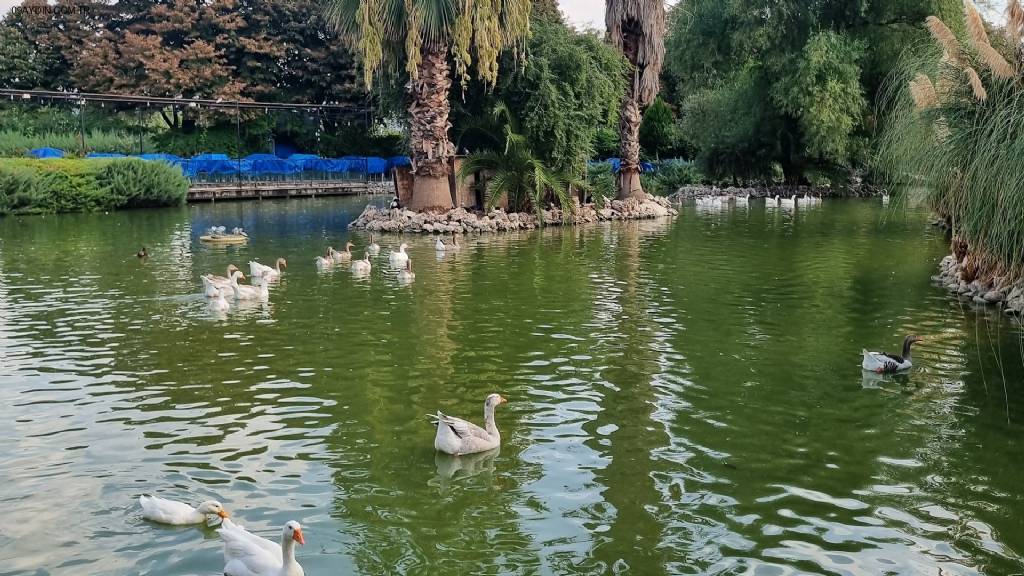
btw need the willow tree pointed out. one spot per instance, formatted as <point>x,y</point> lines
<point>637,28</point>
<point>423,34</point>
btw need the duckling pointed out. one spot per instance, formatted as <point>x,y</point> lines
<point>142,253</point>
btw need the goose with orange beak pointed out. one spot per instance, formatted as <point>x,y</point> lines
<point>165,511</point>
<point>456,436</point>
<point>246,554</point>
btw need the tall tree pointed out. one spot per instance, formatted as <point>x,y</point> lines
<point>637,28</point>
<point>423,33</point>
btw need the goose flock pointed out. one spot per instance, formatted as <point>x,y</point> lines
<point>246,554</point>
<point>776,201</point>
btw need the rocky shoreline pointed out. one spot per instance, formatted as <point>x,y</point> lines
<point>1001,291</point>
<point>463,221</point>
<point>851,191</point>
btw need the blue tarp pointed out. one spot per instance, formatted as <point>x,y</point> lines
<point>46,153</point>
<point>105,155</point>
<point>271,166</point>
<point>396,161</point>
<point>646,167</point>
<point>203,157</point>
<point>355,164</point>
<point>306,161</point>
<point>171,158</point>
<point>261,157</point>
<point>375,165</point>
<point>327,165</point>
<point>194,167</point>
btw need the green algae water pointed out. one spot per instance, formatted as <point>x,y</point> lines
<point>685,397</point>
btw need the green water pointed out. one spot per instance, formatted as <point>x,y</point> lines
<point>685,397</point>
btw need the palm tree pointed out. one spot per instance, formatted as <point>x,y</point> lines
<point>422,33</point>
<point>637,28</point>
<point>514,172</point>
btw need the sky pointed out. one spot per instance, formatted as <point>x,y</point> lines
<point>582,13</point>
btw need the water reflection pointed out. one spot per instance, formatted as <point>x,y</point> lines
<point>686,396</point>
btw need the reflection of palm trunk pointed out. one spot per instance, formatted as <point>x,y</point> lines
<point>428,129</point>
<point>629,135</point>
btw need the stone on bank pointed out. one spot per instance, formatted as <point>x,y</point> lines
<point>463,221</point>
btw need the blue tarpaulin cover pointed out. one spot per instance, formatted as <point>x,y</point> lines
<point>396,161</point>
<point>105,155</point>
<point>375,165</point>
<point>46,153</point>
<point>211,157</point>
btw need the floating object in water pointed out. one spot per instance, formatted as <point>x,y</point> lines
<point>178,513</point>
<point>885,363</point>
<point>456,436</point>
<point>246,554</point>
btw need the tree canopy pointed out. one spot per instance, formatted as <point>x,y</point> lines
<point>791,85</point>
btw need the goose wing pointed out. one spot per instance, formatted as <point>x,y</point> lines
<point>462,428</point>
<point>166,511</point>
<point>246,554</point>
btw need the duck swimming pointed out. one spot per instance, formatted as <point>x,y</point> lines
<point>456,436</point>
<point>885,363</point>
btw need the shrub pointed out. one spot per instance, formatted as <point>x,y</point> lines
<point>134,183</point>
<point>18,143</point>
<point>670,176</point>
<point>49,186</point>
<point>601,181</point>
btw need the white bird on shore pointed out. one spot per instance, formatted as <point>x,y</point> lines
<point>456,436</point>
<point>885,363</point>
<point>398,259</point>
<point>178,513</point>
<point>246,554</point>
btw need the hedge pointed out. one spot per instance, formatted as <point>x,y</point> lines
<point>50,186</point>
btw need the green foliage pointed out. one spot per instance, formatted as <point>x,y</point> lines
<point>134,183</point>
<point>657,129</point>
<point>733,127</point>
<point>825,95</point>
<point>813,69</point>
<point>602,183</point>
<point>20,65</point>
<point>670,176</point>
<point>53,186</point>
<point>15,143</point>
<point>565,95</point>
<point>514,172</point>
<point>963,156</point>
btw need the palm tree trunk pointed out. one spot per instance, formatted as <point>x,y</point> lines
<point>431,149</point>
<point>629,148</point>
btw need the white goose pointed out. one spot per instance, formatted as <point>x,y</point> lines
<point>456,436</point>
<point>788,202</point>
<point>363,266</point>
<point>325,261</point>
<point>257,270</point>
<point>373,248</point>
<point>246,554</point>
<point>406,275</point>
<point>343,256</point>
<point>398,259</point>
<point>213,284</point>
<point>884,363</point>
<point>771,201</point>
<point>439,245</point>
<point>219,303</point>
<point>885,198</point>
<point>178,513</point>
<point>243,292</point>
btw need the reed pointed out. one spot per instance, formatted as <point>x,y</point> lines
<point>962,150</point>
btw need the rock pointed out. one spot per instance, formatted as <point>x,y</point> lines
<point>993,296</point>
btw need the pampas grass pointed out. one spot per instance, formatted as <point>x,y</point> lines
<point>980,94</point>
<point>923,92</point>
<point>1014,22</point>
<point>975,25</point>
<point>945,37</point>
<point>964,154</point>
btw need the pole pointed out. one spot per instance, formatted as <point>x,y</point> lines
<point>81,126</point>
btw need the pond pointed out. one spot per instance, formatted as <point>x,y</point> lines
<point>685,396</point>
